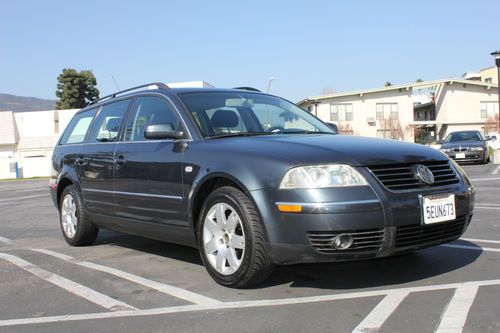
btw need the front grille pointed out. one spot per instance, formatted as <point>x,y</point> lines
<point>417,234</point>
<point>401,176</point>
<point>364,241</point>
<point>460,149</point>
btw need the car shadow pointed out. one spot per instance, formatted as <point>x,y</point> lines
<point>360,274</point>
<point>380,272</point>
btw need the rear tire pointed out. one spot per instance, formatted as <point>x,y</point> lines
<point>76,227</point>
<point>233,250</point>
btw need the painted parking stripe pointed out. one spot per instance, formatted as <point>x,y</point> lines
<point>237,305</point>
<point>376,318</point>
<point>164,288</point>
<point>479,179</point>
<point>455,314</point>
<point>485,207</point>
<point>497,169</point>
<point>25,197</point>
<point>481,240</point>
<point>5,240</point>
<point>71,286</point>
<point>475,248</point>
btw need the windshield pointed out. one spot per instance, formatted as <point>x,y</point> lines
<point>219,114</point>
<point>463,136</point>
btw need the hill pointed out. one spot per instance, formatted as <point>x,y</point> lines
<point>21,103</point>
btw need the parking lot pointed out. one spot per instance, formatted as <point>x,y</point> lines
<point>131,284</point>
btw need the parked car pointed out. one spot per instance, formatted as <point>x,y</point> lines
<point>466,146</point>
<point>251,180</point>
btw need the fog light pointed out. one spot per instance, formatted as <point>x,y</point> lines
<point>342,242</point>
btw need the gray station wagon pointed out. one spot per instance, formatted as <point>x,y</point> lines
<point>251,180</point>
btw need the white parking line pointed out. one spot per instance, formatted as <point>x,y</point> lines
<point>71,286</point>
<point>455,315</point>
<point>25,197</point>
<point>376,318</point>
<point>481,240</point>
<point>497,169</point>
<point>479,179</point>
<point>486,207</point>
<point>238,305</point>
<point>5,240</point>
<point>475,248</point>
<point>164,288</point>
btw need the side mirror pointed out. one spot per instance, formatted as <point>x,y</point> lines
<point>333,126</point>
<point>439,142</point>
<point>162,131</point>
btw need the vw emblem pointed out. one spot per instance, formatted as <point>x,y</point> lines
<point>424,174</point>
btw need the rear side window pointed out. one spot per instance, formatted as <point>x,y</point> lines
<point>108,122</point>
<point>77,128</point>
<point>148,111</point>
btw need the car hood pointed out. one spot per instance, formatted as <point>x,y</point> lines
<point>462,144</point>
<point>327,148</point>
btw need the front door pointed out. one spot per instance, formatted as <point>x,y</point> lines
<point>94,164</point>
<point>148,173</point>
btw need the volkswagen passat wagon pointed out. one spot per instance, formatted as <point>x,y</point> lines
<point>250,180</point>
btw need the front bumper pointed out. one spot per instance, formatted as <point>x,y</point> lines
<point>470,156</point>
<point>381,222</point>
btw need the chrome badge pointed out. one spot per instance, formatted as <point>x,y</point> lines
<point>424,174</point>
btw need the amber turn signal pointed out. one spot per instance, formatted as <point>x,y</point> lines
<point>289,208</point>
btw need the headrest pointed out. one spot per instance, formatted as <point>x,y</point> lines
<point>113,124</point>
<point>225,118</point>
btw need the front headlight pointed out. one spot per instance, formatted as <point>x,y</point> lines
<point>320,176</point>
<point>476,148</point>
<point>446,150</point>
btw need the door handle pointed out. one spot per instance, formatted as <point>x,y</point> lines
<point>120,160</point>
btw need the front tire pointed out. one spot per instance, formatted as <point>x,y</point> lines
<point>76,227</point>
<point>231,239</point>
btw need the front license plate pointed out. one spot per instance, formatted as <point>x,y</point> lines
<point>438,208</point>
<point>460,155</point>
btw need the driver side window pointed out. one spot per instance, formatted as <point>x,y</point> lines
<point>148,111</point>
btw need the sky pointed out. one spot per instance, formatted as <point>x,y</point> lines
<point>307,46</point>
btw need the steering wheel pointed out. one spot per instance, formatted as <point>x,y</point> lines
<point>275,129</point>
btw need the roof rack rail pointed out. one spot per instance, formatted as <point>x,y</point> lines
<point>247,88</point>
<point>111,96</point>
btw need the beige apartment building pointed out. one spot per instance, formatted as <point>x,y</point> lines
<point>418,112</point>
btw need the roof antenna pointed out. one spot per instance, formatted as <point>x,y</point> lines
<point>116,84</point>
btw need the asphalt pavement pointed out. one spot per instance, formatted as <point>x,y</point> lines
<point>125,283</point>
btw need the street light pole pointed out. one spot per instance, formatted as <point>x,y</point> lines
<point>496,55</point>
<point>271,79</point>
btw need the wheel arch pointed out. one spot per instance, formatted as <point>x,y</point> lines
<point>208,184</point>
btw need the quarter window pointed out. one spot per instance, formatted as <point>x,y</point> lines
<point>78,127</point>
<point>148,111</point>
<point>108,122</point>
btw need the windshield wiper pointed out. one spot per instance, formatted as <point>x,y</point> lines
<point>227,135</point>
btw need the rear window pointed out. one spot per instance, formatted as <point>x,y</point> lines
<point>78,127</point>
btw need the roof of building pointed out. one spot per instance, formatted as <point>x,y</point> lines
<point>37,142</point>
<point>408,86</point>
<point>7,128</point>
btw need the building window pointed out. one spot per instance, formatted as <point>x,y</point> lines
<point>341,112</point>
<point>488,109</point>
<point>387,110</point>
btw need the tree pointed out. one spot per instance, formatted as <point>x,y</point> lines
<point>387,84</point>
<point>75,90</point>
<point>419,80</point>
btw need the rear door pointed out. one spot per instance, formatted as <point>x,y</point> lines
<point>148,173</point>
<point>95,161</point>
